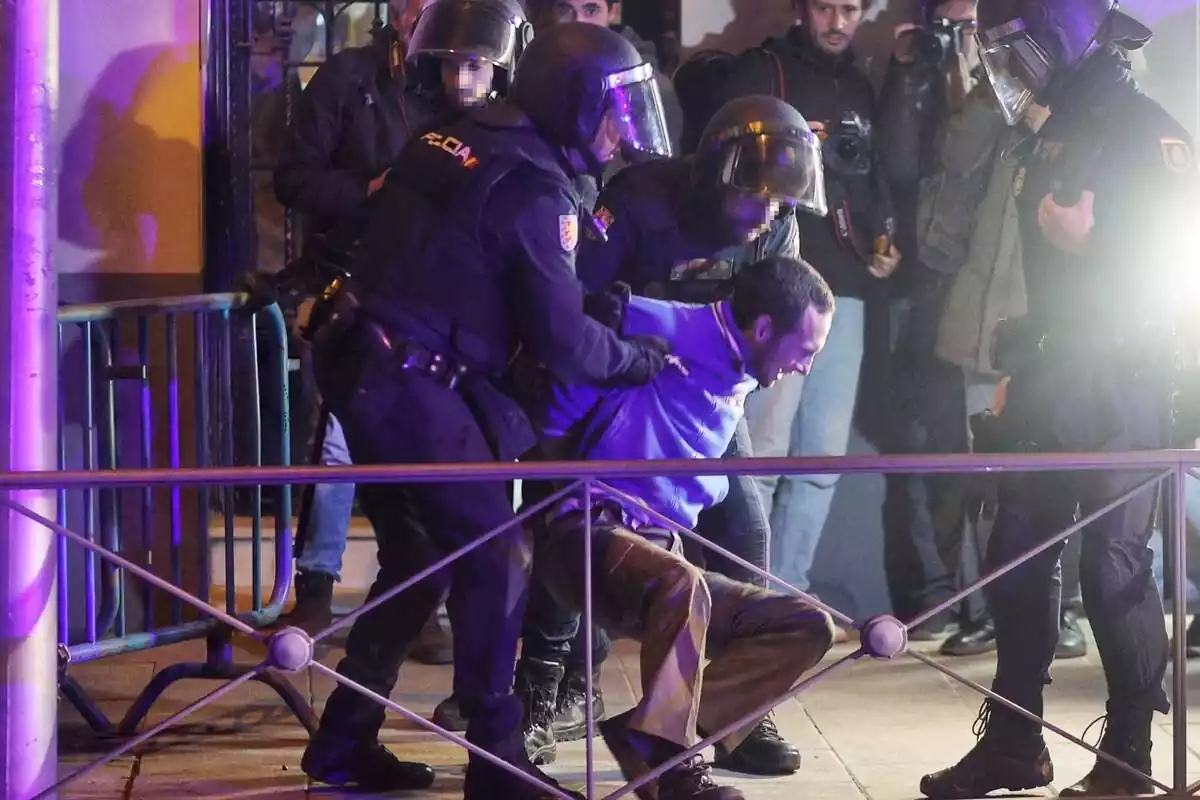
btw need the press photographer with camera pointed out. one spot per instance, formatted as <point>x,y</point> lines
<point>811,67</point>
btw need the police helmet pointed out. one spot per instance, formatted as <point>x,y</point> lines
<point>762,146</point>
<point>488,30</point>
<point>573,73</point>
<point>1027,46</point>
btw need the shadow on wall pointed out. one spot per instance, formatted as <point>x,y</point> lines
<point>130,179</point>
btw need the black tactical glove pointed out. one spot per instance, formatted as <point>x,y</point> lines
<point>608,307</point>
<point>652,354</point>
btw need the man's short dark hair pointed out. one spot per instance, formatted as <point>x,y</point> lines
<point>783,289</point>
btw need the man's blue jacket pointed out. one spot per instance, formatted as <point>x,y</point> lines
<point>689,411</point>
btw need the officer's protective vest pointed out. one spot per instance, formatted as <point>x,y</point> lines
<point>429,268</point>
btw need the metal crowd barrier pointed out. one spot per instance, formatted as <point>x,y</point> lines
<point>883,637</point>
<point>120,357</point>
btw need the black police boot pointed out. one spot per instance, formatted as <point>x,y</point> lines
<point>1071,641</point>
<point>436,644</point>
<point>537,683</point>
<point>637,753</point>
<point>449,715</point>
<point>1010,754</point>
<point>763,752</point>
<point>971,641</point>
<point>1127,738</point>
<point>486,781</point>
<point>313,611</point>
<point>369,766</point>
<point>570,719</point>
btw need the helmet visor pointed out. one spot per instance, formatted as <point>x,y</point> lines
<point>1017,68</point>
<point>639,110</point>
<point>465,29</point>
<point>783,166</point>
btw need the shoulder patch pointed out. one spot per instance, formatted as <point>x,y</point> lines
<point>1177,155</point>
<point>568,232</point>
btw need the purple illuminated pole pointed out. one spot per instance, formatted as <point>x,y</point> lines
<point>28,392</point>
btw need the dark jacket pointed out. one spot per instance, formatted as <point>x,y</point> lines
<point>352,119</point>
<point>471,250</point>
<point>1107,137</point>
<point>660,237</point>
<point>823,88</point>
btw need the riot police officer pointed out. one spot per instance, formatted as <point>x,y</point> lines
<point>468,258</point>
<point>680,229</point>
<point>1094,190</point>
<point>354,116</point>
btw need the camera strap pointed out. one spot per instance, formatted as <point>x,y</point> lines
<point>779,86</point>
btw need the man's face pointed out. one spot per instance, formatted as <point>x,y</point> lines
<point>832,23</point>
<point>608,137</point>
<point>748,216</point>
<point>467,81</point>
<point>593,12</point>
<point>773,355</point>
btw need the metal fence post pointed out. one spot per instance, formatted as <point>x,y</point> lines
<point>28,392</point>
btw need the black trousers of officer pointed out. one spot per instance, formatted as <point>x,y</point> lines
<point>404,417</point>
<point>1081,401</point>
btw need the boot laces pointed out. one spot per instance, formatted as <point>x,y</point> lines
<point>766,729</point>
<point>979,727</point>
<point>1103,720</point>
<point>695,773</point>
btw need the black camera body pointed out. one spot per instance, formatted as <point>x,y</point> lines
<point>938,41</point>
<point>847,147</point>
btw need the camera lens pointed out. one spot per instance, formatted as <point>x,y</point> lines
<point>847,148</point>
<point>933,46</point>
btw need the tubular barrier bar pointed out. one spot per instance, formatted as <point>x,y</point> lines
<point>146,575</point>
<point>949,673</point>
<point>589,690</point>
<point>1004,569</point>
<point>600,470</point>
<point>429,726</point>
<point>219,664</point>
<point>1178,523</point>
<point>670,524</point>
<point>437,565</point>
<point>183,713</point>
<point>1176,464</point>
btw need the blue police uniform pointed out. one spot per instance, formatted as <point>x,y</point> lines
<point>468,257</point>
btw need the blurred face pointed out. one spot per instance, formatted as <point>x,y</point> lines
<point>593,12</point>
<point>832,23</point>
<point>467,81</point>
<point>748,216</point>
<point>774,355</point>
<point>403,15</point>
<point>608,137</point>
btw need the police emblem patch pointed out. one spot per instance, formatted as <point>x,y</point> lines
<point>1177,155</point>
<point>1018,182</point>
<point>568,232</point>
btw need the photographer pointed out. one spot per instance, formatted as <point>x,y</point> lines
<point>811,67</point>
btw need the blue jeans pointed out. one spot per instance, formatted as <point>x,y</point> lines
<point>807,416</point>
<point>327,521</point>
